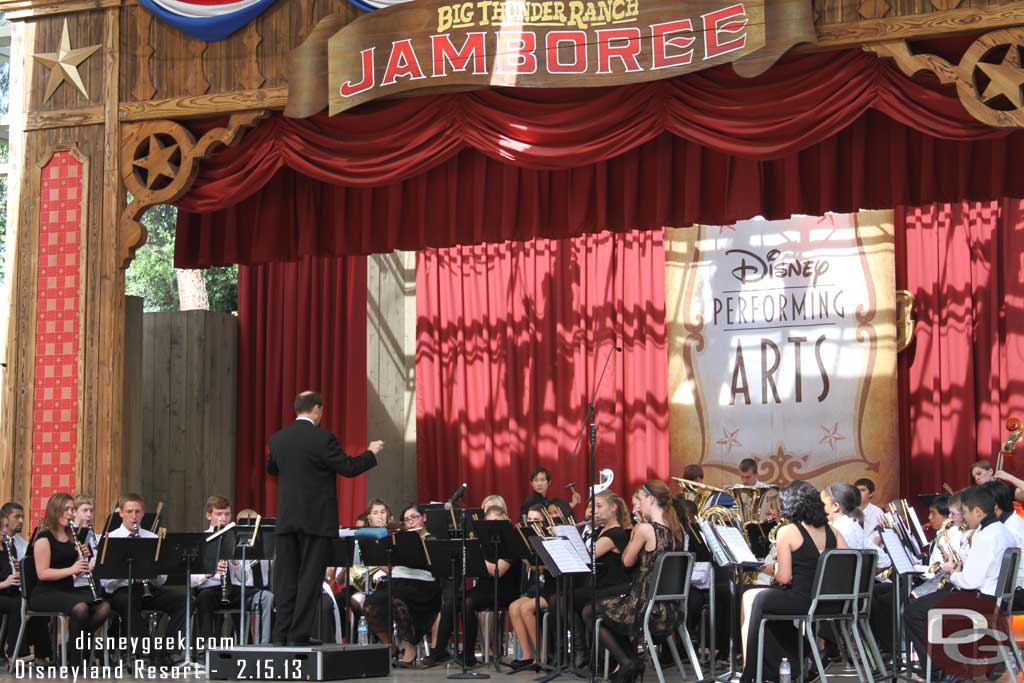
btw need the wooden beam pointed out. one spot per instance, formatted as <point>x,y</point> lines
<point>201,106</point>
<point>916,27</point>
<point>64,118</point>
<point>25,9</point>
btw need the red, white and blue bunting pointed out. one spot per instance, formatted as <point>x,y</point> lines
<point>207,20</point>
<point>370,5</point>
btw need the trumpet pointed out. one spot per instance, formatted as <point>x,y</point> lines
<point>73,532</point>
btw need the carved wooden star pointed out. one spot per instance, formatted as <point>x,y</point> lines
<point>1005,78</point>
<point>63,64</point>
<point>158,162</point>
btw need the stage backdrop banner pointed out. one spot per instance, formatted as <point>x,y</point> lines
<point>782,348</point>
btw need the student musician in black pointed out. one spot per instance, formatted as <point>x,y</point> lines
<point>611,519</point>
<point>57,563</point>
<point>479,599</point>
<point>798,546</point>
<point>623,615</point>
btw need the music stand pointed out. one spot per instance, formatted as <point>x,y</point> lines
<point>440,523</point>
<point>561,560</point>
<point>446,557</point>
<point>243,544</point>
<point>127,558</point>
<point>343,551</point>
<point>505,543</point>
<point>404,548</point>
<point>184,551</point>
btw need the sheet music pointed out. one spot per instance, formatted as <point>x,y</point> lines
<point>718,553</point>
<point>565,557</point>
<point>897,553</point>
<point>738,548</point>
<point>572,534</point>
<point>918,529</point>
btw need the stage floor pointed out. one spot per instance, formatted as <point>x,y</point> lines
<point>433,675</point>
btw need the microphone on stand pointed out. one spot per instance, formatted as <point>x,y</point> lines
<point>459,492</point>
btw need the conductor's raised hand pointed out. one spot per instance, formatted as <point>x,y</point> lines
<point>375,447</point>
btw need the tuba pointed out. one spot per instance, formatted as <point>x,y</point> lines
<point>748,503</point>
<point>701,495</point>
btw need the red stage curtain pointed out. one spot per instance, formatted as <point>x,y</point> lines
<point>833,131</point>
<point>961,378</point>
<point>301,326</point>
<point>510,341</point>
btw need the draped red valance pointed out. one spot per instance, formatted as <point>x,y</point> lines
<point>832,131</point>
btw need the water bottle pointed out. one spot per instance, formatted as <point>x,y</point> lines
<point>364,635</point>
<point>785,673</point>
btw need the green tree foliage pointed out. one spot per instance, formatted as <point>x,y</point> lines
<point>151,275</point>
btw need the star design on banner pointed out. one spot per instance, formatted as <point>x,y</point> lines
<point>829,217</point>
<point>729,440</point>
<point>1005,78</point>
<point>832,436</point>
<point>726,228</point>
<point>158,162</point>
<point>63,64</point>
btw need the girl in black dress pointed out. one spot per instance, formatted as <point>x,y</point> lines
<point>523,612</point>
<point>622,615</point>
<point>57,564</point>
<point>612,523</point>
<point>416,599</point>
<point>798,546</point>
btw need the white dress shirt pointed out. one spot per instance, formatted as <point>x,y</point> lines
<point>20,546</point>
<point>851,530</point>
<point>111,585</point>
<point>981,568</point>
<point>873,517</point>
<point>200,581</point>
<point>1015,525</point>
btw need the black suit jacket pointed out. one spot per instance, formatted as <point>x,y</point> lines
<point>307,460</point>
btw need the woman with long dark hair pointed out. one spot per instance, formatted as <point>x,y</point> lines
<point>622,615</point>
<point>57,564</point>
<point>798,545</point>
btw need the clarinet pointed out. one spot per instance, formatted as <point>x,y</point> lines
<point>147,590</point>
<point>81,555</point>
<point>9,547</point>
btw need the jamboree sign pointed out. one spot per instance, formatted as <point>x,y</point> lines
<point>433,45</point>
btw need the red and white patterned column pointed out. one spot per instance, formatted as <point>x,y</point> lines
<point>55,403</point>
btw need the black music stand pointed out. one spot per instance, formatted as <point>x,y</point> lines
<point>528,534</point>
<point>903,575</point>
<point>556,568</point>
<point>127,558</point>
<point>243,544</point>
<point>446,556</point>
<point>504,542</point>
<point>405,548</point>
<point>185,552</point>
<point>440,523</point>
<point>343,551</point>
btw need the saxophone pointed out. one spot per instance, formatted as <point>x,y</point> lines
<point>949,555</point>
<point>73,531</point>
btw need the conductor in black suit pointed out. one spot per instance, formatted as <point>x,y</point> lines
<point>306,460</point>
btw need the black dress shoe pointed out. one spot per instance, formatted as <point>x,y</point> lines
<point>520,664</point>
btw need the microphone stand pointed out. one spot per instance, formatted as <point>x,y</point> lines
<point>590,426</point>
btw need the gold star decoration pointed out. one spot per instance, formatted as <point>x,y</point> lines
<point>63,64</point>
<point>158,162</point>
<point>1005,78</point>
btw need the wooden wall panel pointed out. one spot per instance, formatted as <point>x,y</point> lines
<point>134,393</point>
<point>159,60</point>
<point>84,30</point>
<point>189,394</point>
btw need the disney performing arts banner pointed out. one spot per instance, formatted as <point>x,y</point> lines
<point>782,347</point>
